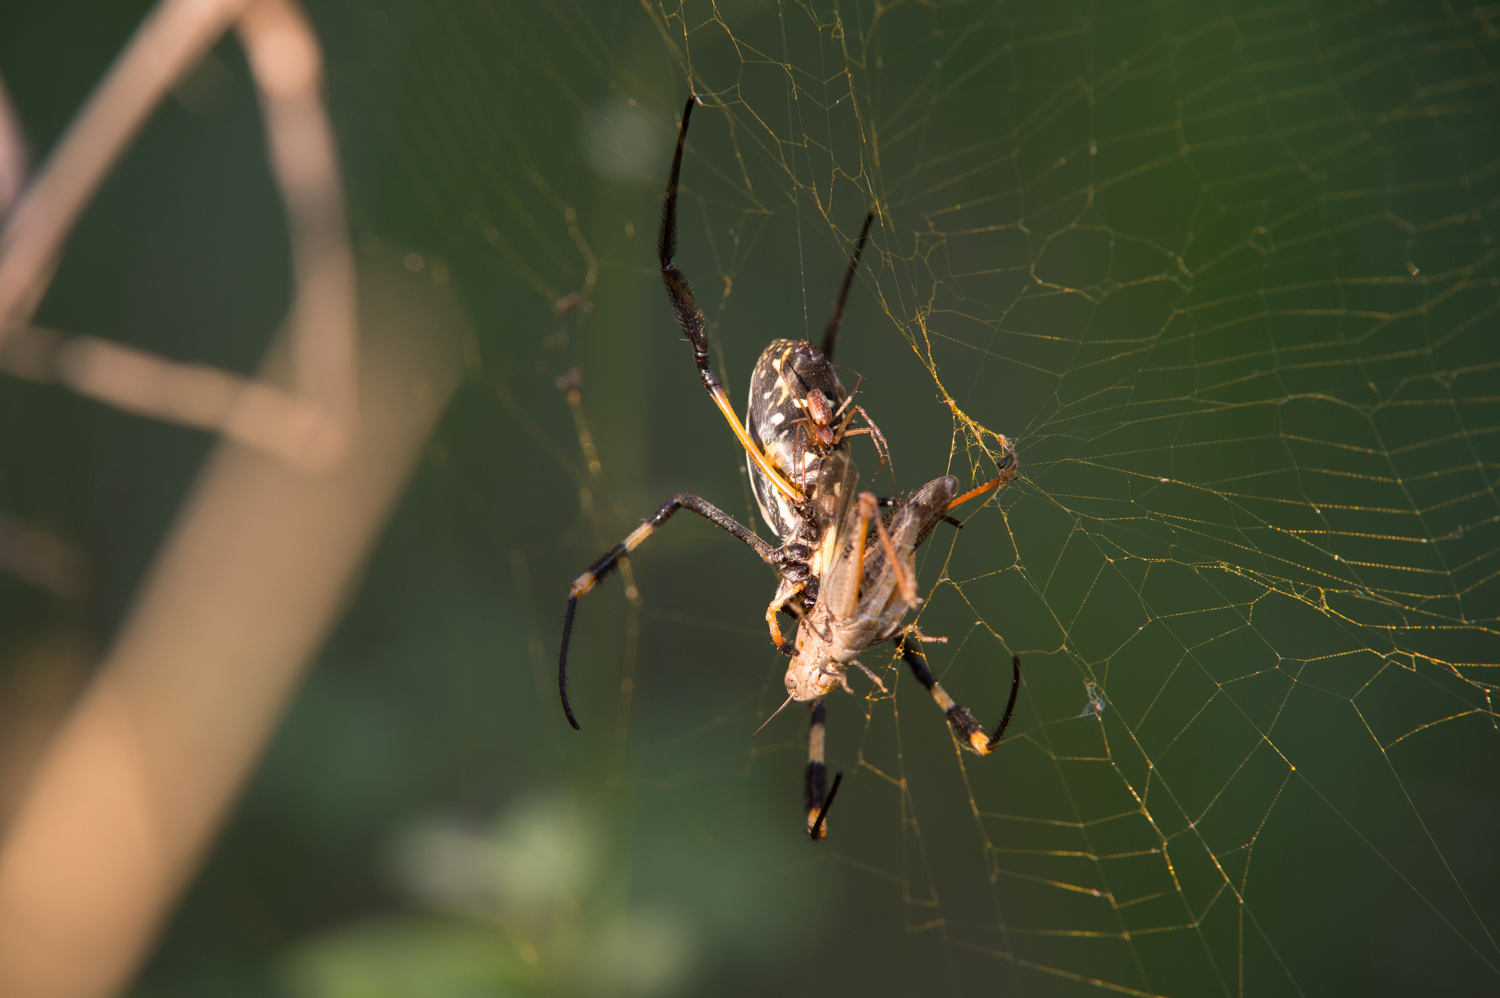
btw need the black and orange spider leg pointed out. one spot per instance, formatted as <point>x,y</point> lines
<point>969,731</point>
<point>789,590</point>
<point>601,568</point>
<point>815,779</point>
<point>691,320</point>
<point>836,319</point>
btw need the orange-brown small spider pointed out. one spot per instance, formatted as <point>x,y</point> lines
<point>822,425</point>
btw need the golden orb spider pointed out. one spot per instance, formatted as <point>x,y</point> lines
<point>846,594</point>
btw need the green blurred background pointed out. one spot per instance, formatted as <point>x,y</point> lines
<point>1224,275</point>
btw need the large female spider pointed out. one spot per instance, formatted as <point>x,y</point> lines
<point>846,592</point>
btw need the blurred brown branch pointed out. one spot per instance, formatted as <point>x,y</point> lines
<point>12,152</point>
<point>307,426</point>
<point>173,37</point>
<point>127,796</point>
<point>38,557</point>
<point>252,412</point>
<point>251,580</point>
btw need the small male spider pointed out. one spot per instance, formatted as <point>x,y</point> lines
<point>845,594</point>
<point>819,429</point>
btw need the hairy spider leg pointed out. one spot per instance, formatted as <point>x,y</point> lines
<point>969,730</point>
<point>830,340</point>
<point>606,564</point>
<point>836,318</point>
<point>815,779</point>
<point>691,320</point>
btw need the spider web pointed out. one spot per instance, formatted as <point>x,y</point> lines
<point>1225,279</point>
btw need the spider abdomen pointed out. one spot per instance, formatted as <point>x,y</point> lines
<point>776,419</point>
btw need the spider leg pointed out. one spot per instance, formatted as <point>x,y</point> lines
<point>963,723</point>
<point>878,438</point>
<point>691,320</point>
<point>815,779</point>
<point>784,594</point>
<point>835,320</point>
<point>600,569</point>
<point>881,446</point>
<point>849,399</point>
